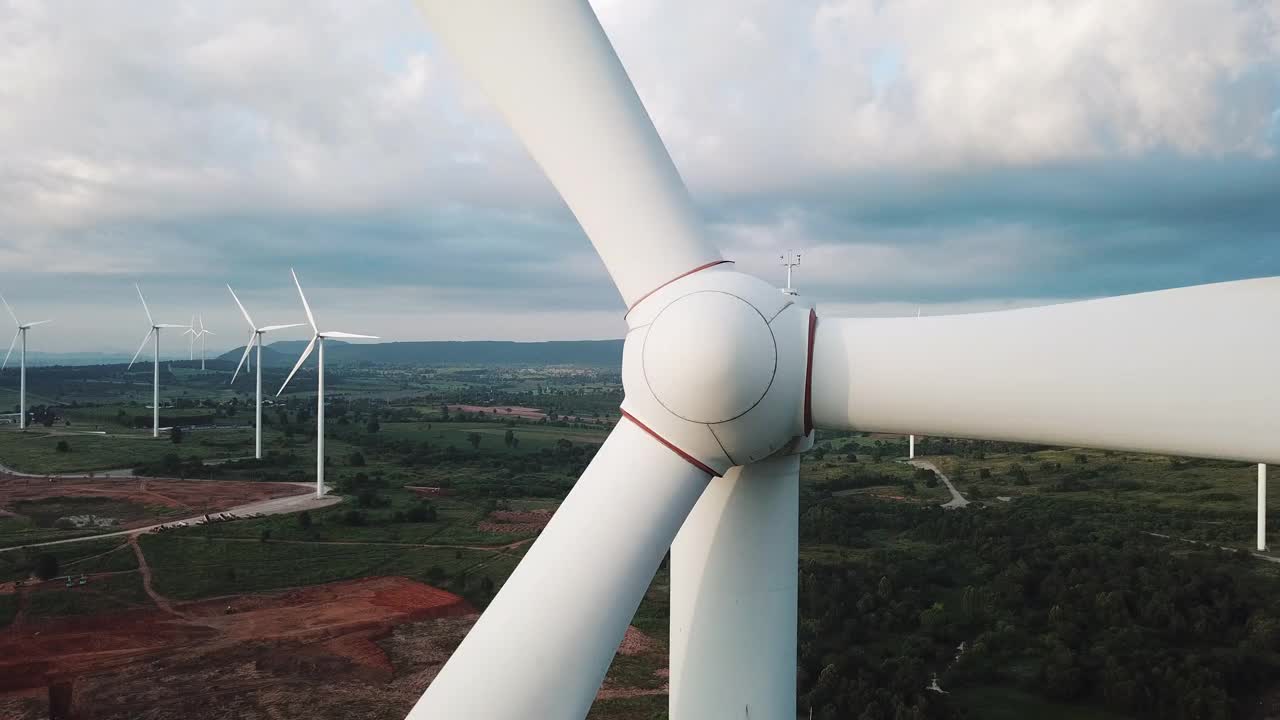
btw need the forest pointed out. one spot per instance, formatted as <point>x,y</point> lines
<point>1042,600</point>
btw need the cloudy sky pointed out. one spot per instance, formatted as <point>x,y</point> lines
<point>958,156</point>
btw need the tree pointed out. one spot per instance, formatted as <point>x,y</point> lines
<point>176,435</point>
<point>62,446</point>
<point>474,440</point>
<point>47,566</point>
<point>304,520</point>
<point>422,512</point>
<point>373,426</point>
<point>357,459</point>
<point>509,437</point>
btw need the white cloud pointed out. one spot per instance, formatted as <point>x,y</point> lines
<point>173,136</point>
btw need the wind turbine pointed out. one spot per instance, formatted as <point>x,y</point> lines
<point>155,378</point>
<point>255,336</point>
<point>191,341</point>
<point>22,360</point>
<point>203,332</point>
<point>725,379</point>
<point>317,339</point>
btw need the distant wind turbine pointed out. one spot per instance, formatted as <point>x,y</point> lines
<point>22,360</point>
<point>155,379</point>
<point>203,332</point>
<point>191,341</point>
<point>317,338</point>
<point>255,337</point>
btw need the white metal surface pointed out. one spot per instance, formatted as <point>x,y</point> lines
<point>911,447</point>
<point>542,647</point>
<point>733,597</point>
<point>550,70</point>
<point>1158,372</point>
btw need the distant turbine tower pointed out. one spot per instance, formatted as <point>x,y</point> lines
<point>22,360</point>
<point>203,332</point>
<point>790,261</point>
<point>155,379</point>
<point>911,448</point>
<point>255,336</point>
<point>317,338</point>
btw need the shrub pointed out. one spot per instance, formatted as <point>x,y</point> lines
<point>47,567</point>
<point>63,446</point>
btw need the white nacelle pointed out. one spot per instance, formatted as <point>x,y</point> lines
<point>714,364</point>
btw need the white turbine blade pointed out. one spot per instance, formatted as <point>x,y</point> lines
<point>145,309</point>
<point>310,318</point>
<point>242,310</point>
<point>1189,371</point>
<point>337,334</point>
<point>247,347</point>
<point>140,347</point>
<point>11,313</point>
<point>171,325</point>
<point>38,322</point>
<point>12,342</point>
<point>271,328</point>
<point>574,592</point>
<point>305,354</point>
<point>550,70</point>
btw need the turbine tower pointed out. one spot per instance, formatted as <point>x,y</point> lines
<point>22,360</point>
<point>317,339</point>
<point>725,380</point>
<point>153,332</point>
<point>255,336</point>
<point>1262,507</point>
<point>911,443</point>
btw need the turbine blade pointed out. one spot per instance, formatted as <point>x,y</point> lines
<point>337,334</point>
<point>310,318</point>
<point>11,313</point>
<point>140,347</point>
<point>270,328</point>
<point>38,322</point>
<point>242,310</point>
<point>575,591</point>
<point>170,325</point>
<point>305,354</point>
<point>12,342</point>
<point>1189,371</point>
<point>145,309</point>
<point>247,347</point>
<point>550,70</point>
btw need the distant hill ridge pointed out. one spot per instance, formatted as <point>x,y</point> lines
<point>602,353</point>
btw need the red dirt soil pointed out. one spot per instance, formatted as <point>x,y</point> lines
<point>193,496</point>
<point>332,620</point>
<point>515,521</point>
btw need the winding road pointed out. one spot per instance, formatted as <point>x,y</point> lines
<point>957,500</point>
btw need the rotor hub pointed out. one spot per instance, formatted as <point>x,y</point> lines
<point>715,366</point>
<point>709,357</point>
